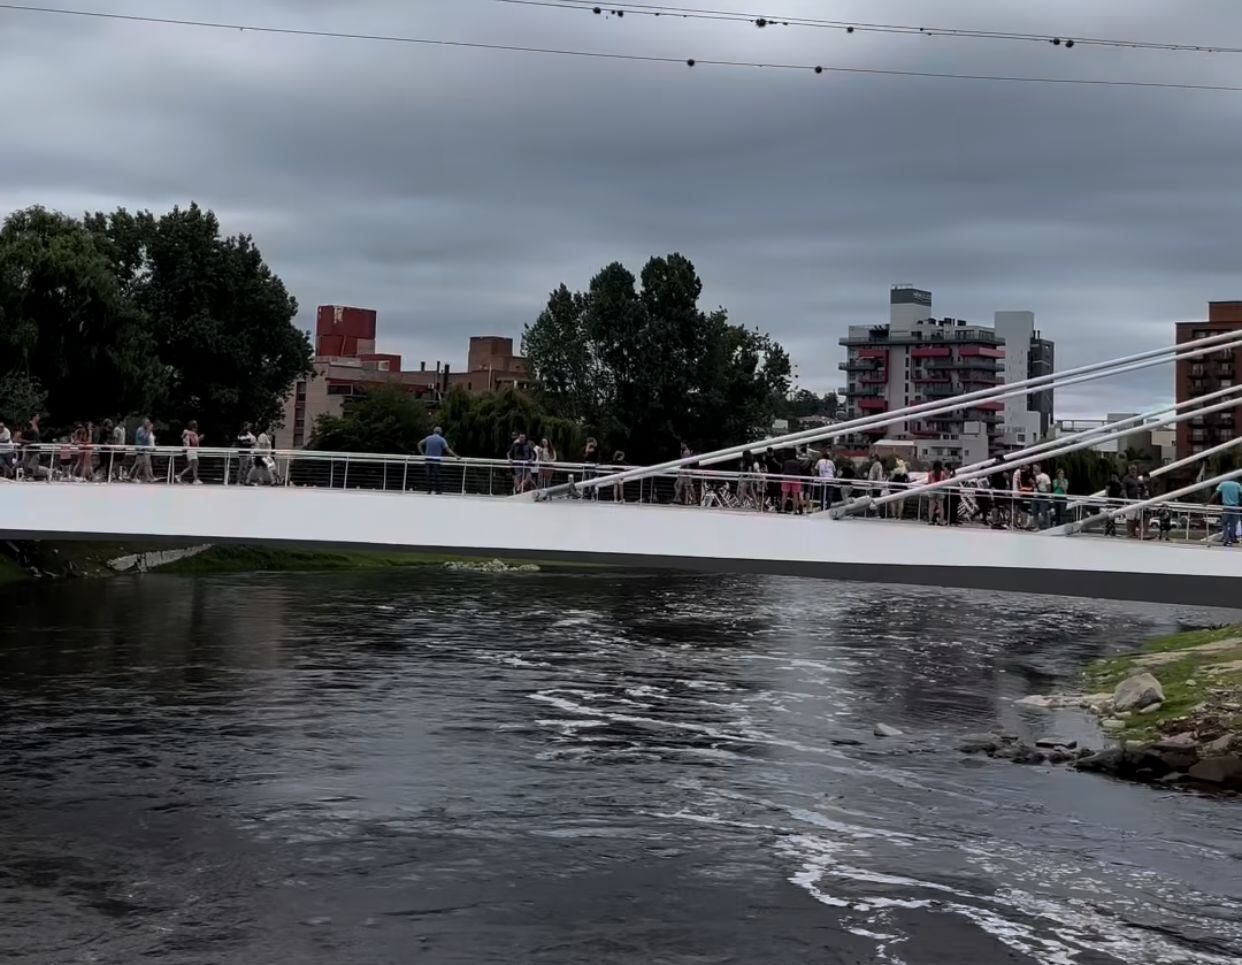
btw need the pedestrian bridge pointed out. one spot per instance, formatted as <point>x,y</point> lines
<point>720,520</point>
<point>644,534</point>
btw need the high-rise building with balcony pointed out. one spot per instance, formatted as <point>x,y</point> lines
<point>1207,373</point>
<point>1028,355</point>
<point>919,358</point>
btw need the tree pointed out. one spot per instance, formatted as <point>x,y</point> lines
<point>571,377</point>
<point>385,420</point>
<point>805,403</point>
<point>483,425</point>
<point>130,314</point>
<point>21,397</point>
<point>221,322</point>
<point>644,368</point>
<point>71,338</point>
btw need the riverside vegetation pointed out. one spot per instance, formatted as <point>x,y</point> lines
<point>1172,711</point>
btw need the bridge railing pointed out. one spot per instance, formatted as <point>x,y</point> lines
<point>71,462</point>
<point>718,489</point>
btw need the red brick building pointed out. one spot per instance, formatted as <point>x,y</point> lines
<point>347,364</point>
<point>1196,377</point>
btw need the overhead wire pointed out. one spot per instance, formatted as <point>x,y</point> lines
<point>608,55</point>
<point>1066,40</point>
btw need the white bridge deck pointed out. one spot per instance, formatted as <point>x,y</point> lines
<point>879,551</point>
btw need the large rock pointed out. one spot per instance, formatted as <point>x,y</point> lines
<point>1178,752</point>
<point>883,730</point>
<point>1135,693</point>
<point>1108,761</point>
<point>1225,770</point>
<point>1222,745</point>
<point>979,744</point>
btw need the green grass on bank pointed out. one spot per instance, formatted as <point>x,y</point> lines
<point>255,559</point>
<point>10,572</point>
<point>240,559</point>
<point>1183,668</point>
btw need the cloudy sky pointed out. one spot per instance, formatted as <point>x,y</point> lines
<point>452,189</point>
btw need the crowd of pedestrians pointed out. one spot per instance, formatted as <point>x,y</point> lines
<point>103,453</point>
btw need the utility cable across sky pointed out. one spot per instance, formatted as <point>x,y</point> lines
<point>669,12</point>
<point>606,55</point>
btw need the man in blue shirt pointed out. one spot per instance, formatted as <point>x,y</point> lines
<point>435,447</point>
<point>1230,493</point>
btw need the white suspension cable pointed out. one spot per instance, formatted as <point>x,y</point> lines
<point>861,504</point>
<point>1134,421</point>
<point>1130,363</point>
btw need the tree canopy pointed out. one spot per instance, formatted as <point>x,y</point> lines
<point>387,420</point>
<point>136,314</point>
<point>641,365</point>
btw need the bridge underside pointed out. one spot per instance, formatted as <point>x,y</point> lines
<point>874,551</point>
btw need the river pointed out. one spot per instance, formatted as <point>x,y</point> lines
<point>432,766</point>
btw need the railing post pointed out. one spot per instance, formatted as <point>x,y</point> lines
<point>345,477</point>
<point>331,473</point>
<point>405,476</point>
<point>384,478</point>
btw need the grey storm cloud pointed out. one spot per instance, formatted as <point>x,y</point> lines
<point>452,189</point>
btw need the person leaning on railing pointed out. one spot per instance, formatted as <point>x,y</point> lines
<point>1230,494</point>
<point>435,447</point>
<point>1060,497</point>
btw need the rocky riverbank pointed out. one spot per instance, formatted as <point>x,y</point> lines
<point>1169,713</point>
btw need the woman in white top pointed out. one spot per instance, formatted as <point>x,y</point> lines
<point>826,469</point>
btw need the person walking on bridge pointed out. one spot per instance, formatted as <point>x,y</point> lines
<point>434,448</point>
<point>1131,488</point>
<point>191,440</point>
<point>521,456</point>
<point>144,440</point>
<point>245,449</point>
<point>935,506</point>
<point>32,446</point>
<point>8,458</point>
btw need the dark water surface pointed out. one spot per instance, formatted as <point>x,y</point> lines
<point>459,767</point>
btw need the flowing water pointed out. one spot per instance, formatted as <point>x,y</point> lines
<point>428,766</point>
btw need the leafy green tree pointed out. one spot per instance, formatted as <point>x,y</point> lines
<point>221,322</point>
<point>483,425</point>
<point>71,337</point>
<point>385,420</point>
<point>644,368</point>
<point>572,378</point>
<point>133,314</point>
<point>805,403</point>
<point>20,398</point>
